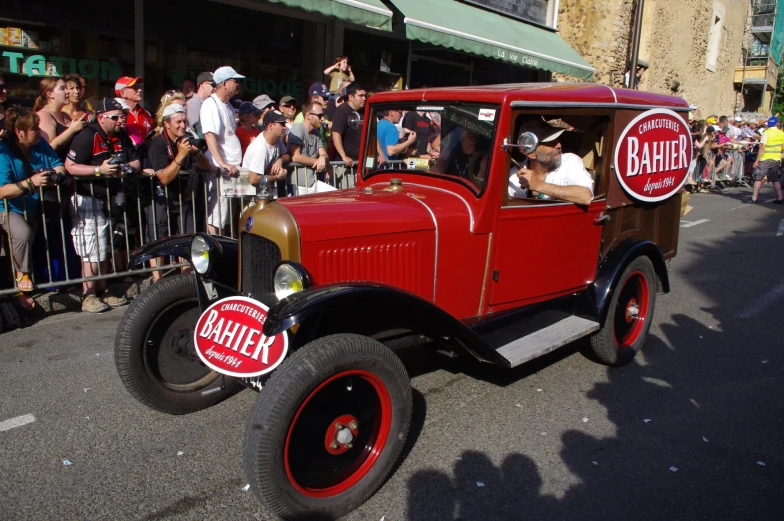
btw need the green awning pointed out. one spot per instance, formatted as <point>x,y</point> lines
<point>458,26</point>
<point>372,13</point>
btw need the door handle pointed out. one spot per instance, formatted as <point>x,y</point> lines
<point>603,217</point>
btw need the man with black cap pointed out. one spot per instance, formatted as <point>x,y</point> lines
<point>98,151</point>
<point>266,155</point>
<point>547,172</point>
<point>248,129</point>
<point>204,89</point>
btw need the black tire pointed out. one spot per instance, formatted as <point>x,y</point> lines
<point>286,456</point>
<point>624,333</point>
<point>154,352</point>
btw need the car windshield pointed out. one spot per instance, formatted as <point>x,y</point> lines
<point>445,139</point>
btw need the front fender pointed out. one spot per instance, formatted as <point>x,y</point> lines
<point>597,297</point>
<point>223,271</point>
<point>371,308</point>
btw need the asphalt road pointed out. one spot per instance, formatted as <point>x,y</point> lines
<point>691,430</point>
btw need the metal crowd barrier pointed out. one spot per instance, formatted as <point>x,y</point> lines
<point>127,223</point>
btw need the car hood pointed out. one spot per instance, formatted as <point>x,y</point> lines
<point>356,213</point>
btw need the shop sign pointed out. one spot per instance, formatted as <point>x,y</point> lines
<point>653,155</point>
<point>516,57</point>
<point>40,65</point>
<point>228,338</point>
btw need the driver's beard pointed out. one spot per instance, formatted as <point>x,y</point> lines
<point>550,162</point>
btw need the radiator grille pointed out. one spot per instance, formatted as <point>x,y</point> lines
<point>396,264</point>
<point>259,258</point>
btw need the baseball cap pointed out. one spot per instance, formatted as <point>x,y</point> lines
<point>773,121</point>
<point>172,108</point>
<point>273,116</point>
<point>288,100</point>
<point>107,105</point>
<point>542,130</point>
<point>318,89</point>
<point>225,73</point>
<point>738,119</point>
<point>711,121</point>
<point>693,106</point>
<point>246,107</point>
<point>122,103</point>
<point>125,81</point>
<point>711,128</point>
<point>204,76</point>
<point>262,101</point>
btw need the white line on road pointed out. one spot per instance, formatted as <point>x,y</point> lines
<point>763,302</point>
<point>768,200</point>
<point>781,229</point>
<point>689,224</point>
<point>13,423</point>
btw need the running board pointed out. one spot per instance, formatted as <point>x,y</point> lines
<point>547,339</point>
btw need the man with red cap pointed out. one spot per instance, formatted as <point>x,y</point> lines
<point>140,122</point>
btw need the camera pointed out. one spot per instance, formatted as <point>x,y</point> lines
<point>54,176</point>
<point>119,158</point>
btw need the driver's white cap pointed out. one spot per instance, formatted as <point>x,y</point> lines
<point>542,130</point>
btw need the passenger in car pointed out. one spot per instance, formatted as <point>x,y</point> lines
<point>548,173</point>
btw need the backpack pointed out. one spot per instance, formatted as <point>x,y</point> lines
<point>10,316</point>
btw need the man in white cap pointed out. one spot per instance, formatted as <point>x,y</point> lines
<point>267,155</point>
<point>547,173</point>
<point>171,154</point>
<point>224,149</point>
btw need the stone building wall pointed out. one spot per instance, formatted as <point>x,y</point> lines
<point>674,41</point>
<point>533,10</point>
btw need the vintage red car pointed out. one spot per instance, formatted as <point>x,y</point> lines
<point>311,303</point>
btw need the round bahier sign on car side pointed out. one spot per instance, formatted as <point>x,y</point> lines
<point>229,338</point>
<point>653,155</point>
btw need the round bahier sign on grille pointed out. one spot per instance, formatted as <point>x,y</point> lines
<point>229,339</point>
<point>653,155</point>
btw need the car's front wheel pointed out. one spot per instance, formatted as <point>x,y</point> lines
<point>155,355</point>
<point>629,317</point>
<point>328,427</point>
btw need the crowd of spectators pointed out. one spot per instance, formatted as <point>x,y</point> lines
<point>736,151</point>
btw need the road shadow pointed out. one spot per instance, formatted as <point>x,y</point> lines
<point>699,420</point>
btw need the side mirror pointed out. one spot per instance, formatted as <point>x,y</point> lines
<point>355,120</point>
<point>527,142</point>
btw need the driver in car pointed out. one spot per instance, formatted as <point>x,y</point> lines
<point>547,172</point>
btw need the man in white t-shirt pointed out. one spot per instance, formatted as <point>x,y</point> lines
<point>548,172</point>
<point>224,150</point>
<point>267,155</point>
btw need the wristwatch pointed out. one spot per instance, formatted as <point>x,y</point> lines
<point>97,170</point>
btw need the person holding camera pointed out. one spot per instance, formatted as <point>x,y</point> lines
<point>27,163</point>
<point>100,156</point>
<point>172,154</point>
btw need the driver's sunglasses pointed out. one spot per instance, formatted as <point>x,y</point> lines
<point>320,116</point>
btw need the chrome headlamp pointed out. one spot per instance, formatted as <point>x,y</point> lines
<point>204,252</point>
<point>290,277</point>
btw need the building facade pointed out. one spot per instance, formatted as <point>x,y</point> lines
<point>756,75</point>
<point>692,47</point>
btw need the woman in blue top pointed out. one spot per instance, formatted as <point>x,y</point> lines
<point>25,159</point>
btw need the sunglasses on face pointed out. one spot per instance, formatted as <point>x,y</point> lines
<point>320,116</point>
<point>114,117</point>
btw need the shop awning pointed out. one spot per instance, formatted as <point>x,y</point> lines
<point>470,29</point>
<point>372,13</point>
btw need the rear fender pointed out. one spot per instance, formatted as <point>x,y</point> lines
<point>367,309</point>
<point>596,299</point>
<point>224,270</point>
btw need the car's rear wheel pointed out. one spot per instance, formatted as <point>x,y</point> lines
<point>155,356</point>
<point>328,427</point>
<point>629,316</point>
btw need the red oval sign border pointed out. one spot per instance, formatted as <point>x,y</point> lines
<point>229,373</point>
<point>632,123</point>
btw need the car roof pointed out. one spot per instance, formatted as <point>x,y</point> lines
<point>542,94</point>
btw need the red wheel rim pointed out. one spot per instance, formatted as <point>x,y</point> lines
<point>631,310</point>
<point>313,467</point>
